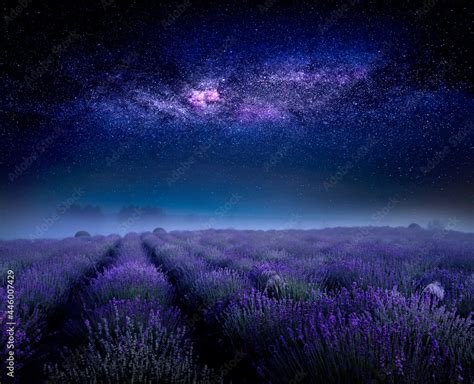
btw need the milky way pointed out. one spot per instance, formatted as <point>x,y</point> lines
<point>285,101</point>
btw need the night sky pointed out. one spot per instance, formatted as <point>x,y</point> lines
<point>252,114</point>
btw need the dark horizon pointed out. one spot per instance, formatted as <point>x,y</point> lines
<point>60,224</point>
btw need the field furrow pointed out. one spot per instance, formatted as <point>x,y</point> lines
<point>132,332</point>
<point>42,293</point>
<point>244,307</point>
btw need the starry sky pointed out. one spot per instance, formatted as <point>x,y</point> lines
<point>344,113</point>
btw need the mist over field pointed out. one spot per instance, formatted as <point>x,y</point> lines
<point>236,192</point>
<point>56,225</point>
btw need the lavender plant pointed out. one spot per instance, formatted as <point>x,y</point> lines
<point>343,305</point>
<point>135,350</point>
<point>129,280</point>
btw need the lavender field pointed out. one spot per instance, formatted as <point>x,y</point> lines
<point>357,305</point>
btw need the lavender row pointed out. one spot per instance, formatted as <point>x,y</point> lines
<point>134,335</point>
<point>353,325</point>
<point>199,284</point>
<point>44,286</point>
<point>343,305</point>
<point>205,293</point>
<point>18,255</point>
<point>299,264</point>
